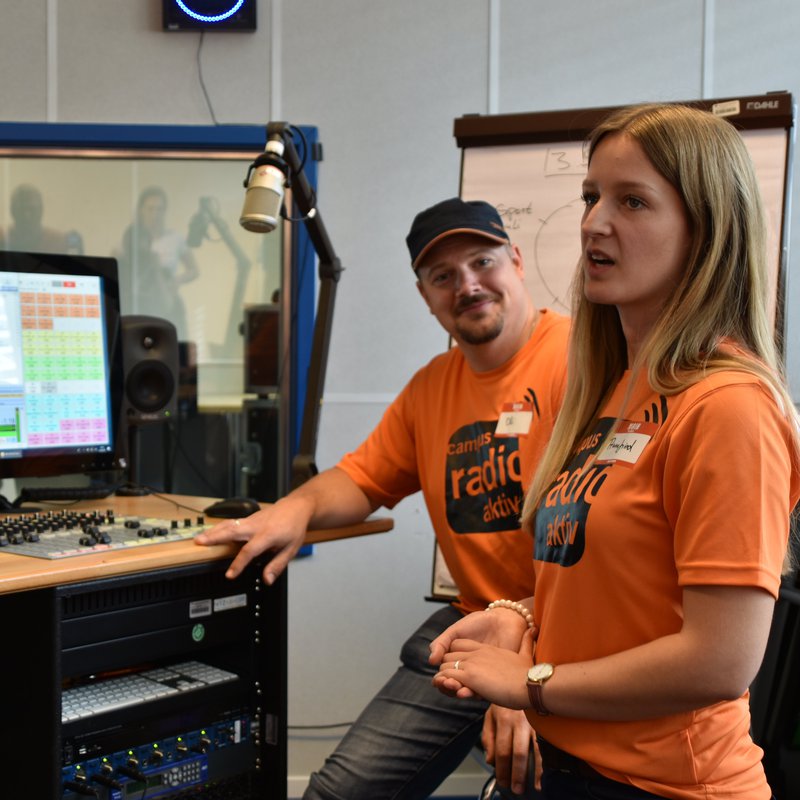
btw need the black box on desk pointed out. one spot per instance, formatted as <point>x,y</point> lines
<point>262,349</point>
<point>261,467</point>
<point>196,455</point>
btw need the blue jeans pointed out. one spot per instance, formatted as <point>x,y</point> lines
<point>410,736</point>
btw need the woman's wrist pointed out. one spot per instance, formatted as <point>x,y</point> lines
<point>514,606</point>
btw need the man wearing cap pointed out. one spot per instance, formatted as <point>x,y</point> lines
<point>466,430</point>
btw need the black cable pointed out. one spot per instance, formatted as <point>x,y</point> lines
<point>171,499</point>
<point>305,149</point>
<point>173,431</point>
<point>202,81</point>
<point>297,287</point>
<point>214,490</point>
<point>318,727</point>
<point>303,153</point>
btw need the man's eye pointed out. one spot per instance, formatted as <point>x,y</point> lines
<point>589,198</point>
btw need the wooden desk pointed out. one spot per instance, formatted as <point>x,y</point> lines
<point>69,620</point>
<point>20,573</point>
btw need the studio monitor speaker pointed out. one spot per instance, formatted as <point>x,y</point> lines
<point>151,369</point>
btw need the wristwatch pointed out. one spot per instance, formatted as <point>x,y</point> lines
<point>537,675</point>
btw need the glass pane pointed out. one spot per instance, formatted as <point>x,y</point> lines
<point>173,226</point>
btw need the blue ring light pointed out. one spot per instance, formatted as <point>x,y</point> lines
<point>204,17</point>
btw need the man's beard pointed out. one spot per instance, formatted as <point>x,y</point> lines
<point>476,333</point>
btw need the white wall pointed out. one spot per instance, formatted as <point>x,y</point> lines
<point>383,81</point>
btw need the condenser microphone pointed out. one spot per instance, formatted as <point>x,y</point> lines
<point>265,182</point>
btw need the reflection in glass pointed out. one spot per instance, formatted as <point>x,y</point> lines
<point>27,232</point>
<point>173,226</point>
<point>160,259</point>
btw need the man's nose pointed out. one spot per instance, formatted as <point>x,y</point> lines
<point>466,281</point>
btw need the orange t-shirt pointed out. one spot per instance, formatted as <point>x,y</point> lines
<point>447,434</point>
<point>692,489</point>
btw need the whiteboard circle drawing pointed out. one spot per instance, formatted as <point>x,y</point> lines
<point>556,250</point>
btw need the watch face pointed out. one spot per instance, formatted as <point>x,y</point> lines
<point>539,673</point>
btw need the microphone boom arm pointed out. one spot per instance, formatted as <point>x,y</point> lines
<point>304,464</point>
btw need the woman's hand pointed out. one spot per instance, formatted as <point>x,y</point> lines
<point>496,674</point>
<point>500,627</point>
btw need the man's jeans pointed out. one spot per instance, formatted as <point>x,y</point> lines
<point>409,738</point>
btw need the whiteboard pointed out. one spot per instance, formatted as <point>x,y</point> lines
<point>536,187</point>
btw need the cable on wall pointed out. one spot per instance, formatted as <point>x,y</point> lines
<point>201,79</point>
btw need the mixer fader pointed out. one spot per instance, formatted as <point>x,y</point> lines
<point>66,533</point>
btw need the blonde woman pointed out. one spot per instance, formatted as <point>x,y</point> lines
<point>660,511</point>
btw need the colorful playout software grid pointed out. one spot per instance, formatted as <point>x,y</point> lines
<point>63,361</point>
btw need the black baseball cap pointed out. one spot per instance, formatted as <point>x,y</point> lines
<point>453,216</point>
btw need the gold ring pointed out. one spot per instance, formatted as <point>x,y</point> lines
<point>457,663</point>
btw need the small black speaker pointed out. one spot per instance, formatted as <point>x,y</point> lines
<point>151,369</point>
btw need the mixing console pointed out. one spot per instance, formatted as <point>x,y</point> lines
<point>62,534</point>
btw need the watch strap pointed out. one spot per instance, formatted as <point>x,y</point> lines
<point>535,696</point>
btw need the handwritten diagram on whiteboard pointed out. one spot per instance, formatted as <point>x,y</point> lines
<point>537,190</point>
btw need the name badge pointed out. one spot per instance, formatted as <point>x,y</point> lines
<point>514,420</point>
<point>626,443</point>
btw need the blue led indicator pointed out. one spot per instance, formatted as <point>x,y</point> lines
<point>205,17</point>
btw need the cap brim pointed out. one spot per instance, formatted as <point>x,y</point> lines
<point>451,232</point>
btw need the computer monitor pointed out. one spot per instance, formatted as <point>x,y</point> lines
<point>60,364</point>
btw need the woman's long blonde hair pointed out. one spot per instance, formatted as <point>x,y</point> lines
<point>722,295</point>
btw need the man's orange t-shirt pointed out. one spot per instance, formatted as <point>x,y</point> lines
<point>469,441</point>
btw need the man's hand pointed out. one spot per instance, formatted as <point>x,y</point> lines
<point>509,742</point>
<point>280,529</point>
<point>330,499</point>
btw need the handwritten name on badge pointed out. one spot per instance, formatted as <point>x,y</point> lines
<point>626,444</point>
<point>514,420</point>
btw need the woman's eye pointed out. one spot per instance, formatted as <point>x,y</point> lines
<point>589,199</point>
<point>634,202</point>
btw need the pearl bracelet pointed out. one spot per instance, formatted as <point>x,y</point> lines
<point>513,606</point>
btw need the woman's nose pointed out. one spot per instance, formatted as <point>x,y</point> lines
<point>595,219</point>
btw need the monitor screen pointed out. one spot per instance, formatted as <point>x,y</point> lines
<point>60,364</point>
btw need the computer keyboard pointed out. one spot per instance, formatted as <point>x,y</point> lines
<point>40,494</point>
<point>112,694</point>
